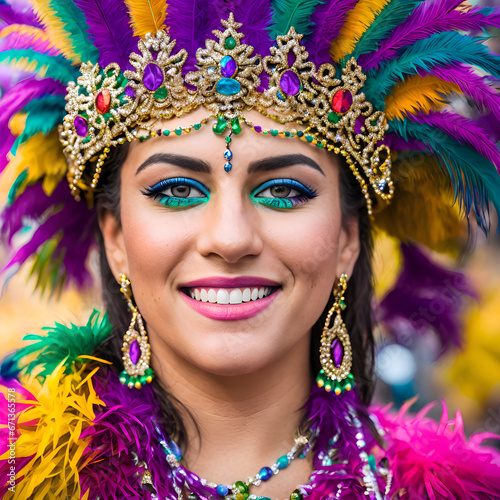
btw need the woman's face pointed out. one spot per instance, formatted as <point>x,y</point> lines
<point>229,270</point>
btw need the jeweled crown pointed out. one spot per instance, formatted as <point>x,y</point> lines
<point>109,107</point>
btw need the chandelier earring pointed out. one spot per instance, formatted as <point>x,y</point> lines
<point>335,353</point>
<point>136,349</point>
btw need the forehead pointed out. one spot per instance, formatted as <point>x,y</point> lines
<point>247,147</point>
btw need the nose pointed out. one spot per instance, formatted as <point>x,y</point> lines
<point>230,230</point>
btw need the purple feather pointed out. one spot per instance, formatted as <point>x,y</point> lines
<point>427,19</point>
<point>109,30</point>
<point>462,129</point>
<point>23,41</point>
<point>397,143</point>
<point>18,13</point>
<point>77,231</point>
<point>329,19</point>
<point>14,101</point>
<point>426,296</point>
<point>472,85</point>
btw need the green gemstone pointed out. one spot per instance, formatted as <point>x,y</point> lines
<point>149,371</point>
<point>372,462</point>
<point>230,43</point>
<point>300,133</point>
<point>197,126</point>
<point>342,304</point>
<point>296,495</point>
<point>283,462</point>
<point>287,134</point>
<point>220,126</point>
<point>246,495</point>
<point>235,126</point>
<point>166,133</point>
<point>374,123</point>
<point>319,145</point>
<point>309,138</point>
<point>178,131</point>
<point>161,93</point>
<point>228,86</point>
<point>228,140</point>
<point>274,133</point>
<point>85,140</point>
<point>107,116</point>
<point>333,117</point>
<point>143,380</point>
<point>241,486</point>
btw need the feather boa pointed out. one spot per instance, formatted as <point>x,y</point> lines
<point>82,434</point>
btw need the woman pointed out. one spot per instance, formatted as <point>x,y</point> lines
<point>227,242</point>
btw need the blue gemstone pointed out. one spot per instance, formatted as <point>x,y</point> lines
<point>228,86</point>
<point>228,154</point>
<point>222,490</point>
<point>227,167</point>
<point>174,449</point>
<point>228,67</point>
<point>327,461</point>
<point>265,473</point>
<point>282,462</point>
<point>280,96</point>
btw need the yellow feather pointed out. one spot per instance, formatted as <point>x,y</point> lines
<point>357,22</point>
<point>43,157</point>
<point>55,29</point>
<point>418,93</point>
<point>147,16</point>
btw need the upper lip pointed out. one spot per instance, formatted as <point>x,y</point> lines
<point>225,282</point>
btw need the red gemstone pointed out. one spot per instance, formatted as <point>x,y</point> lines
<point>102,101</point>
<point>342,101</point>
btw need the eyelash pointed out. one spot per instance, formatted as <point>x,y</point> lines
<point>157,192</point>
<point>305,194</point>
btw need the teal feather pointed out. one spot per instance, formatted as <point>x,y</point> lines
<point>61,344</point>
<point>296,13</point>
<point>55,67</point>
<point>475,179</point>
<point>438,50</point>
<point>43,115</point>
<point>76,27</point>
<point>391,16</point>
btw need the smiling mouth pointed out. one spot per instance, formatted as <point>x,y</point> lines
<point>232,296</point>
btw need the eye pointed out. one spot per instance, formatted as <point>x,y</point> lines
<point>178,192</point>
<point>282,193</point>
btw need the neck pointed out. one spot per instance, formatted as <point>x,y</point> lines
<point>245,422</point>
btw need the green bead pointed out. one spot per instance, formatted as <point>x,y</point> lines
<point>274,133</point>
<point>333,117</point>
<point>143,380</point>
<point>296,495</point>
<point>374,123</point>
<point>372,463</point>
<point>161,93</point>
<point>300,133</point>
<point>246,495</point>
<point>228,140</point>
<point>241,486</point>
<point>342,304</point>
<point>235,126</point>
<point>319,145</point>
<point>220,126</point>
<point>230,43</point>
<point>178,131</point>
<point>149,371</point>
<point>166,133</point>
<point>309,138</point>
<point>283,462</point>
<point>287,134</point>
<point>197,126</point>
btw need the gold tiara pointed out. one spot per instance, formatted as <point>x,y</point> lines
<point>108,107</point>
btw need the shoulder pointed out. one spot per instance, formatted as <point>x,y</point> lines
<point>435,460</point>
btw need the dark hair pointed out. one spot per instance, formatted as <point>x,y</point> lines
<point>357,316</point>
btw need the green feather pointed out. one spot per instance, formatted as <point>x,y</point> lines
<point>438,50</point>
<point>56,67</point>
<point>76,27</point>
<point>42,116</point>
<point>11,197</point>
<point>62,344</point>
<point>296,13</point>
<point>391,16</point>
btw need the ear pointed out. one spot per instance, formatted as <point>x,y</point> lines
<point>114,243</point>
<point>349,246</point>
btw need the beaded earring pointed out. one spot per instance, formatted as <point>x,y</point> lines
<point>136,348</point>
<point>335,373</point>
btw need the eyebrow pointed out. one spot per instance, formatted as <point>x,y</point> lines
<point>193,164</point>
<point>277,162</point>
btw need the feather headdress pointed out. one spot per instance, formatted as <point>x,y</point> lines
<point>418,56</point>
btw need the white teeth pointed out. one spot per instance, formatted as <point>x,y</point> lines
<point>229,296</point>
<point>246,295</point>
<point>235,297</point>
<point>212,296</point>
<point>222,296</point>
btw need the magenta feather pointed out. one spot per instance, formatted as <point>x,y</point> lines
<point>329,19</point>
<point>434,460</point>
<point>427,19</point>
<point>18,12</point>
<point>462,129</point>
<point>14,101</point>
<point>397,143</point>
<point>109,30</point>
<point>472,85</point>
<point>24,41</point>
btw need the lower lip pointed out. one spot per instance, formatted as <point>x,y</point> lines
<point>230,312</point>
